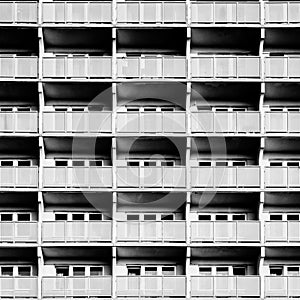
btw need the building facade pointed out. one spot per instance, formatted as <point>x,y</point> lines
<point>149,149</point>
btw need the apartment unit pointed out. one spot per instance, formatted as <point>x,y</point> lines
<point>149,149</point>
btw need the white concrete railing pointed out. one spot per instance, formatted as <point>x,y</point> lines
<point>282,231</point>
<point>151,12</point>
<point>282,286</point>
<point>225,66</point>
<point>77,67</point>
<point>149,231</point>
<point>212,177</point>
<point>151,122</point>
<point>78,286</point>
<point>12,66</point>
<point>151,67</point>
<point>286,12</point>
<point>225,286</point>
<point>76,231</point>
<point>282,67</point>
<point>15,232</point>
<point>74,122</point>
<point>89,12</point>
<point>150,177</point>
<point>77,177</point>
<point>18,12</point>
<point>156,286</point>
<point>229,231</point>
<point>14,177</point>
<point>282,177</point>
<point>17,122</point>
<point>18,286</point>
<point>212,12</point>
<point>282,122</point>
<point>225,122</point>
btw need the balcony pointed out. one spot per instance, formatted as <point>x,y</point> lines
<point>225,177</point>
<point>151,67</point>
<point>144,12</point>
<point>77,67</point>
<point>228,12</point>
<point>225,286</point>
<point>77,177</point>
<point>284,12</point>
<point>13,67</point>
<point>282,286</point>
<point>76,122</point>
<point>87,12</point>
<point>18,122</point>
<point>20,12</point>
<point>151,286</point>
<point>282,122</point>
<point>152,231</point>
<point>79,231</point>
<point>282,177</point>
<point>229,231</point>
<point>24,287</point>
<point>227,122</point>
<point>151,122</point>
<point>225,67</point>
<point>151,177</point>
<point>282,231</point>
<point>79,286</point>
<point>286,67</point>
<point>18,232</point>
<point>16,177</point>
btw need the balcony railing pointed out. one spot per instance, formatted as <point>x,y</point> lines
<point>282,231</point>
<point>14,177</point>
<point>24,287</point>
<point>282,286</point>
<point>225,67</point>
<point>149,177</point>
<point>282,122</point>
<point>227,122</point>
<point>75,122</point>
<point>151,231</point>
<point>78,286</point>
<point>77,12</point>
<point>282,67</point>
<point>16,232</point>
<point>77,67</point>
<point>18,122</point>
<point>155,286</point>
<point>283,12</point>
<point>225,286</point>
<point>234,231</point>
<point>282,177</point>
<point>151,67</point>
<point>225,12</point>
<point>226,177</point>
<point>18,12</point>
<point>76,231</point>
<point>18,66</point>
<point>151,12</point>
<point>151,122</point>
<point>77,177</point>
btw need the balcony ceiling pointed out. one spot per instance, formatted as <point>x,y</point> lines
<point>282,92</point>
<point>283,253</point>
<point>20,199</point>
<point>282,146</point>
<point>28,254</point>
<point>19,146</point>
<point>225,252</point>
<point>282,199</point>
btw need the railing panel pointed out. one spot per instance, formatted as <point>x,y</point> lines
<point>18,287</point>
<point>174,12</point>
<point>225,286</point>
<point>276,231</point>
<point>276,286</point>
<point>276,176</point>
<point>18,232</point>
<point>276,67</point>
<point>225,231</point>
<point>128,12</point>
<point>248,176</point>
<point>248,122</point>
<point>276,122</point>
<point>248,286</point>
<point>202,286</point>
<point>293,228</point>
<point>248,231</point>
<point>18,12</point>
<point>293,12</point>
<point>248,12</point>
<point>18,176</point>
<point>202,231</point>
<point>276,12</point>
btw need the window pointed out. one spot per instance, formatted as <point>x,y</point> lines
<point>221,109</point>
<point>204,163</point>
<point>166,217</point>
<point>24,271</point>
<point>24,109</point>
<point>204,217</point>
<point>275,217</point>
<point>167,109</point>
<point>167,163</point>
<point>61,109</point>
<point>78,163</point>
<point>221,163</point>
<point>222,271</point>
<point>133,217</point>
<point>221,217</point>
<point>78,217</point>
<point>6,109</point>
<point>78,271</point>
<point>292,164</point>
<point>95,217</point>
<point>239,109</point>
<point>24,163</point>
<point>238,217</point>
<point>292,217</point>
<point>239,163</point>
<point>95,163</point>
<point>168,271</point>
<point>150,163</point>
<point>134,271</point>
<point>96,271</point>
<point>133,163</point>
<point>205,271</point>
<point>150,271</point>
<point>78,109</point>
<point>276,270</point>
<point>146,109</point>
<point>6,217</point>
<point>7,271</point>
<point>62,271</point>
<point>133,109</point>
<point>61,217</point>
<point>61,163</point>
<point>239,270</point>
<point>23,217</point>
<point>275,163</point>
<point>293,271</point>
<point>149,217</point>
<point>7,163</point>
